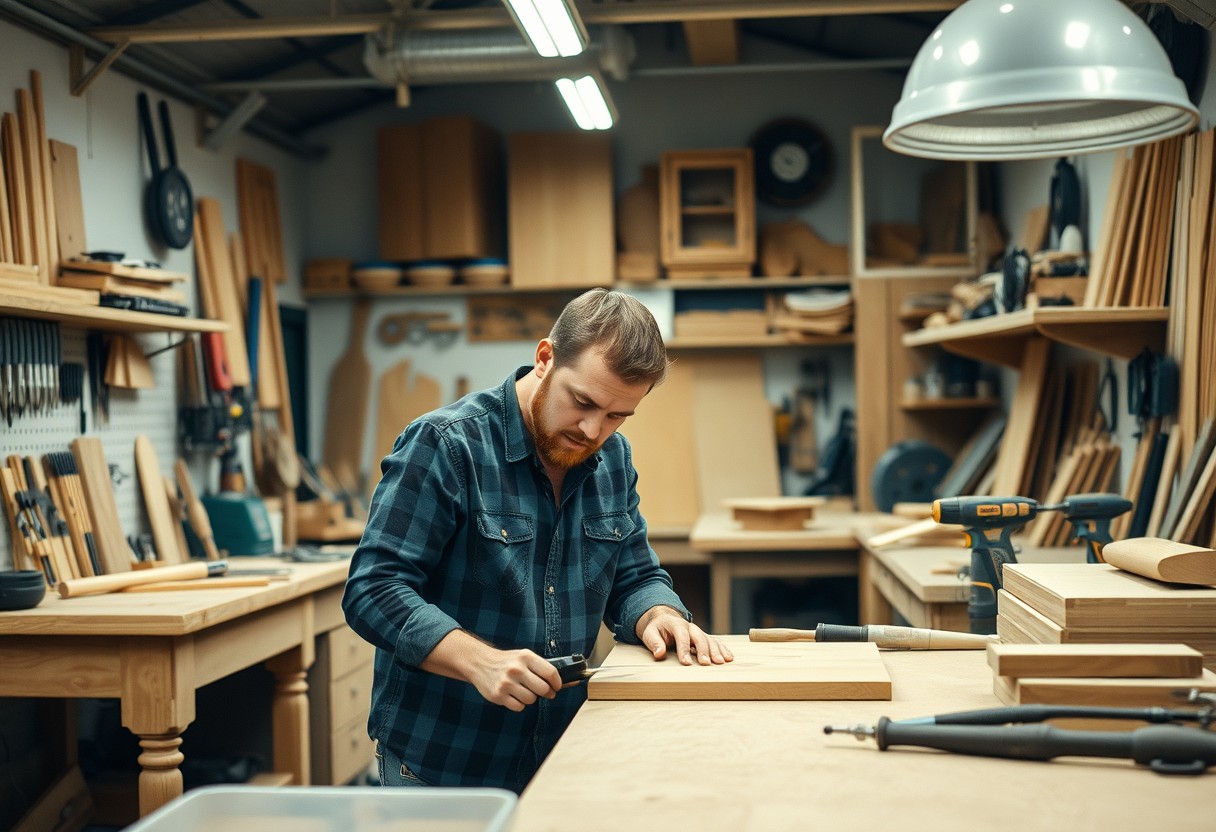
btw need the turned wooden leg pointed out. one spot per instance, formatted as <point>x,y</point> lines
<point>291,745</point>
<point>161,778</point>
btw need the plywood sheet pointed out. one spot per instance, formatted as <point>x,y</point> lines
<point>664,451</point>
<point>760,671</point>
<point>1094,660</point>
<point>1099,595</point>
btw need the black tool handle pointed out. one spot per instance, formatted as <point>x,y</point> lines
<point>571,667</point>
<point>1042,713</point>
<point>145,121</point>
<point>166,127</point>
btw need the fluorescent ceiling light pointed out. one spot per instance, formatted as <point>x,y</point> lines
<point>1029,79</point>
<point>553,27</point>
<point>587,101</point>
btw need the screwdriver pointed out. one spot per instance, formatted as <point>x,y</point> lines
<point>895,638</point>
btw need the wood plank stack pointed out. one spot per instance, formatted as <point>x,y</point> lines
<point>1082,603</point>
<point>1131,261</point>
<point>813,312</point>
<point>1109,675</point>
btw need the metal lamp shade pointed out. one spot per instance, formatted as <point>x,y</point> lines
<point>1028,79</point>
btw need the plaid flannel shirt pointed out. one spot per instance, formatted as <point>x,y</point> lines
<point>464,532</point>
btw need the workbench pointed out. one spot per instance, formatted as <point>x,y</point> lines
<point>825,548</point>
<point>744,766</point>
<point>921,582</point>
<point>153,650</point>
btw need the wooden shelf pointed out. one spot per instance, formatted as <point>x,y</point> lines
<point>103,317</point>
<point>708,210</point>
<point>757,342</point>
<point>950,404</point>
<point>764,283</point>
<point>1001,339</point>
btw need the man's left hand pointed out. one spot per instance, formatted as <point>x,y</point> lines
<point>663,627</point>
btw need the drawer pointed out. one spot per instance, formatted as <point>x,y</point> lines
<point>351,750</point>
<point>347,651</point>
<point>350,695</point>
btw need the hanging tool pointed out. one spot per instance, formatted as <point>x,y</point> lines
<point>1166,749</point>
<point>1090,515</point>
<point>987,522</point>
<point>893,638</point>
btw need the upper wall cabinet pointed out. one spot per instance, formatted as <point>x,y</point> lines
<point>451,206</point>
<point>912,217</point>
<point>707,211</point>
<point>560,213</point>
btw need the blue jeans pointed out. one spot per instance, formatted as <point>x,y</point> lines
<point>393,772</point>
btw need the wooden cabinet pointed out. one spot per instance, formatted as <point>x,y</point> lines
<point>707,213</point>
<point>340,691</point>
<point>440,190</point>
<point>561,214</point>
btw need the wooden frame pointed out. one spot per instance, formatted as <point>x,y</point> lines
<point>732,260</point>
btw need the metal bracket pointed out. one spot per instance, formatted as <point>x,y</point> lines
<point>81,80</point>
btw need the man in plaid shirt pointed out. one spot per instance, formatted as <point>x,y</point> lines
<point>504,530</point>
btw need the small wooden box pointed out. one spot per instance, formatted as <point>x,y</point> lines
<point>327,274</point>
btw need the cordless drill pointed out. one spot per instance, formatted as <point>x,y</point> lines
<point>1090,515</point>
<point>988,523</point>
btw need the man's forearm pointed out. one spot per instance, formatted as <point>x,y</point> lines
<point>456,656</point>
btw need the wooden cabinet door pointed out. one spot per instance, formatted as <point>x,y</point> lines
<point>708,213</point>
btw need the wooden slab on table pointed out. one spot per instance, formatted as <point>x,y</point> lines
<point>1094,660</point>
<point>773,513</point>
<point>160,516</point>
<point>760,671</point>
<point>1163,560</point>
<point>1124,693</point>
<point>1099,595</point>
<point>349,390</point>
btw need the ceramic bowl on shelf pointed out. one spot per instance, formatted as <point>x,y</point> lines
<point>430,274</point>
<point>488,271</point>
<point>376,277</point>
<point>21,590</point>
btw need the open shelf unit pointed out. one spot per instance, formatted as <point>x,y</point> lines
<point>1001,339</point>
<point>103,317</point>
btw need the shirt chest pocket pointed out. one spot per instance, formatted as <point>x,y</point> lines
<point>603,538</point>
<point>503,551</point>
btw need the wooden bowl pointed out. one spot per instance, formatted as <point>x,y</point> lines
<point>376,279</point>
<point>430,276</point>
<point>485,274</point>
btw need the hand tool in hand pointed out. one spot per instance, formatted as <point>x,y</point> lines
<point>1166,749</point>
<point>894,638</point>
<point>121,580</point>
<point>573,668</point>
<point>987,523</point>
<point>1090,515</point>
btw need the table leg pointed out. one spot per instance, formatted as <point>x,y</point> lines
<point>872,606</point>
<point>157,705</point>
<point>161,778</point>
<point>720,580</point>
<point>290,719</point>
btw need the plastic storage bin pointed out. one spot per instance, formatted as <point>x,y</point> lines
<point>332,809</point>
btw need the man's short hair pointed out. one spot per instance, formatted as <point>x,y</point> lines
<point>619,325</point>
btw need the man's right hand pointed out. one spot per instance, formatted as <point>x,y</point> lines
<point>511,678</point>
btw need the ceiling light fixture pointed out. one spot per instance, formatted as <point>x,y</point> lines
<point>1029,79</point>
<point>588,102</point>
<point>553,27</point>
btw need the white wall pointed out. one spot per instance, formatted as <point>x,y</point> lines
<point>104,127</point>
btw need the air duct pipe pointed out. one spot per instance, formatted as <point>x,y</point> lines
<point>424,58</point>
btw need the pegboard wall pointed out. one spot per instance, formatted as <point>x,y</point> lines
<point>151,412</point>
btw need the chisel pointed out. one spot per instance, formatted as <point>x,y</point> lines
<point>895,638</point>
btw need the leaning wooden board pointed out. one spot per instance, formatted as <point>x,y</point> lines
<point>1099,595</point>
<point>760,671</point>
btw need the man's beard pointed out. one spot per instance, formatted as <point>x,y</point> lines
<point>549,442</point>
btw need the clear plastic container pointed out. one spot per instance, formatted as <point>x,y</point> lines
<point>332,809</point>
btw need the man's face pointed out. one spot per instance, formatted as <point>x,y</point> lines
<point>577,407</point>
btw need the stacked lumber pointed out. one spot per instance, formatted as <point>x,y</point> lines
<point>1131,260</point>
<point>117,279</point>
<point>1102,675</point>
<point>1096,603</point>
<point>814,312</point>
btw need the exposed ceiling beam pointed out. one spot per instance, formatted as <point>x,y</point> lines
<point>147,12</point>
<point>670,11</point>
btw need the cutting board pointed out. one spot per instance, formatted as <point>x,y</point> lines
<point>349,388</point>
<point>761,670</point>
<point>1099,595</point>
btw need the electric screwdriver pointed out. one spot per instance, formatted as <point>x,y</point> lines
<point>988,522</point>
<point>1090,515</point>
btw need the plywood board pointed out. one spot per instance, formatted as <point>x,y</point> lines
<point>760,671</point>
<point>664,451</point>
<point>1099,595</point>
<point>1126,693</point>
<point>1094,660</point>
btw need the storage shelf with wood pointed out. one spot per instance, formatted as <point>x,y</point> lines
<point>962,403</point>
<point>1001,339</point>
<point>103,317</point>
<point>758,342</point>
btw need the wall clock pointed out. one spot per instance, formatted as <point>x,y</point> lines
<point>794,162</point>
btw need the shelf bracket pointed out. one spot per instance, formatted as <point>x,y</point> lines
<point>81,81</point>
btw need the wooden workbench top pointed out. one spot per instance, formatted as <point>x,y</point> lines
<point>744,766</point>
<point>717,531</point>
<point>170,613</point>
